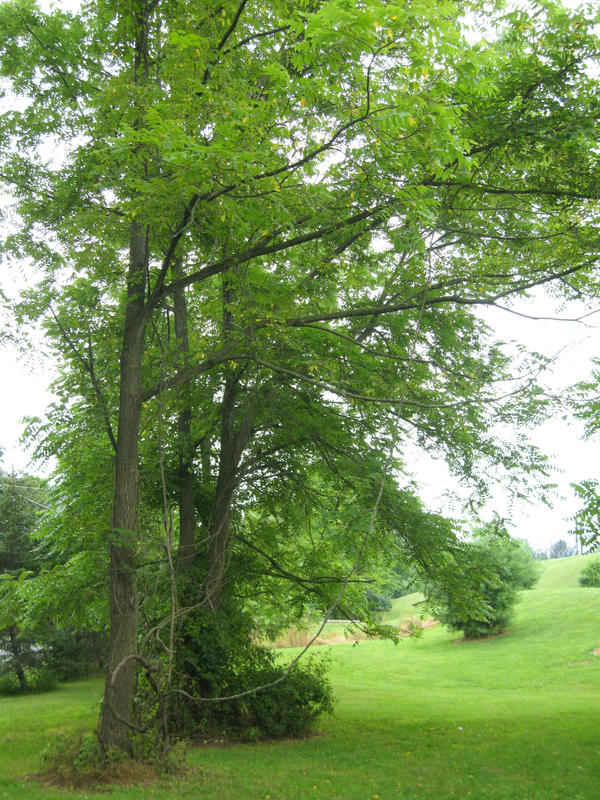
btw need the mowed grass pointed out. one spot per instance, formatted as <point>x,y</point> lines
<point>514,717</point>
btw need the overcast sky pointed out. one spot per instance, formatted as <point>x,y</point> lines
<point>571,458</point>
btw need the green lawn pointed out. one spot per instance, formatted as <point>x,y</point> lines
<point>509,718</point>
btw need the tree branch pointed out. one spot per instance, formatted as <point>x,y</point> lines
<point>228,262</point>
<point>88,365</point>
<point>223,41</point>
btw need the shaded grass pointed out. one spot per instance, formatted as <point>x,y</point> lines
<point>508,718</point>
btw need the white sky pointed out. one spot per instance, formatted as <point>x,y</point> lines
<point>572,459</point>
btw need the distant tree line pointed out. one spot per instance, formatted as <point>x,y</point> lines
<point>558,549</point>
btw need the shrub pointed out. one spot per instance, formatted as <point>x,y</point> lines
<point>484,579</point>
<point>217,658</point>
<point>288,708</point>
<point>590,574</point>
<point>377,602</point>
<point>77,753</point>
<point>74,655</point>
<point>37,681</point>
<point>78,759</point>
<point>9,684</point>
<point>38,661</point>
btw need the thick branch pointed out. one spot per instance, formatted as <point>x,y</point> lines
<point>228,262</point>
<point>281,572</point>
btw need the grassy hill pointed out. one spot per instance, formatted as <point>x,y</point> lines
<point>513,717</point>
<point>404,608</point>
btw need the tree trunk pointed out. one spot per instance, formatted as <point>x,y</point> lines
<point>220,525</point>
<point>118,694</point>
<point>17,657</point>
<point>187,480</point>
<point>233,441</point>
<point>114,729</point>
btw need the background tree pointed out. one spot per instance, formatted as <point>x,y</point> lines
<point>561,549</point>
<point>31,635</point>
<point>18,516</point>
<point>481,585</point>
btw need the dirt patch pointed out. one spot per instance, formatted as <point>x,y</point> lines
<point>300,638</point>
<point>125,773</point>
<point>596,651</point>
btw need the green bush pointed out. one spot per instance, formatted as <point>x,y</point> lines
<point>217,658</point>
<point>481,591</point>
<point>37,681</point>
<point>74,655</point>
<point>378,602</point>
<point>80,752</point>
<point>590,574</point>
<point>288,708</point>
<point>79,759</point>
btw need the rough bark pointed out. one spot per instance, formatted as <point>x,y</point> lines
<point>233,440</point>
<point>114,729</point>
<point>187,479</point>
<point>118,695</point>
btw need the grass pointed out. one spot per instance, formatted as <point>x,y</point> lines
<point>508,718</point>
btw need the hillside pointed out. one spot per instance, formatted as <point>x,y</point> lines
<point>513,717</point>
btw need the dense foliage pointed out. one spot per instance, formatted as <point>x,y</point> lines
<point>586,521</point>
<point>20,656</point>
<point>217,657</point>
<point>35,652</point>
<point>585,403</point>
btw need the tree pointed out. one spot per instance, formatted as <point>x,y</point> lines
<point>480,595</point>
<point>584,403</point>
<point>270,217</point>
<point>560,549</point>
<point>18,517</point>
<point>32,637</point>
<point>585,522</point>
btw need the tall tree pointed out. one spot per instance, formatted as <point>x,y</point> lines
<point>319,192</point>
